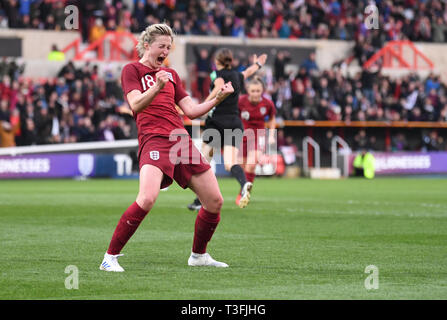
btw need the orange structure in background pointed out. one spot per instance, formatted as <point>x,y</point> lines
<point>116,51</point>
<point>393,50</point>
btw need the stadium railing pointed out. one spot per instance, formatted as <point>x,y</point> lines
<point>309,154</point>
<point>344,152</point>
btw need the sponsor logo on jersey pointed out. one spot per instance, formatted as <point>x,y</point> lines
<point>245,115</point>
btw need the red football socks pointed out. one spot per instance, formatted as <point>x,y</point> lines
<point>206,223</point>
<point>126,227</point>
<point>250,176</point>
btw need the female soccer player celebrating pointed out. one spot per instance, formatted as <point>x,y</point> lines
<point>225,120</point>
<point>152,92</point>
<point>254,110</point>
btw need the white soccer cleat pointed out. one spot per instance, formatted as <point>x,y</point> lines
<point>245,195</point>
<point>204,260</point>
<point>110,263</point>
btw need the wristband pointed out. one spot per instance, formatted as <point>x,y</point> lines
<point>259,65</point>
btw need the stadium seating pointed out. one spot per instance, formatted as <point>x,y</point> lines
<point>83,106</point>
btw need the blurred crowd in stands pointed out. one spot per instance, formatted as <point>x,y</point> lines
<point>367,95</point>
<point>78,105</point>
<point>82,105</point>
<point>313,19</point>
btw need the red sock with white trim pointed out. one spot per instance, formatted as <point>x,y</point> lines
<point>127,225</point>
<point>206,223</point>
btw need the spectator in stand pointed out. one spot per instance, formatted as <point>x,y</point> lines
<point>204,65</point>
<point>439,30</point>
<point>29,135</point>
<point>369,77</point>
<point>432,82</point>
<point>11,8</point>
<point>432,141</point>
<point>326,148</point>
<point>399,142</point>
<point>56,54</point>
<point>9,126</point>
<point>310,64</point>
<point>297,114</point>
<point>68,73</point>
<point>279,65</point>
<point>443,114</point>
<point>298,92</point>
<point>43,123</point>
<point>361,141</point>
<point>97,31</point>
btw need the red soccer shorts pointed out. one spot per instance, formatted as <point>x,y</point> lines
<point>178,159</point>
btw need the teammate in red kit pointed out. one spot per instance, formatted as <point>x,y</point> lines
<point>166,151</point>
<point>254,109</point>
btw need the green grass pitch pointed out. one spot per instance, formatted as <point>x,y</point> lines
<point>297,239</point>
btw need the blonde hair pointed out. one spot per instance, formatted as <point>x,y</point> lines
<point>151,32</point>
<point>256,80</point>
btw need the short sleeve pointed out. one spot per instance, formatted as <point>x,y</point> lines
<point>241,100</point>
<point>180,92</point>
<point>272,109</point>
<point>213,76</point>
<point>129,79</point>
<point>239,104</point>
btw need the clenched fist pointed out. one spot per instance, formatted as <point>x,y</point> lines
<point>225,91</point>
<point>162,79</point>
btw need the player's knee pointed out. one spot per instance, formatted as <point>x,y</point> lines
<point>215,203</point>
<point>228,166</point>
<point>146,201</point>
<point>219,202</point>
<point>250,167</point>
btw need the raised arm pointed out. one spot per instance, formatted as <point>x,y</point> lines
<point>258,62</point>
<point>193,110</point>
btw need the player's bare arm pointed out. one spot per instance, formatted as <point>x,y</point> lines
<point>218,84</point>
<point>271,124</point>
<point>193,110</point>
<point>258,62</point>
<point>138,101</point>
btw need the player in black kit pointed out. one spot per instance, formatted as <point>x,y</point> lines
<point>224,119</point>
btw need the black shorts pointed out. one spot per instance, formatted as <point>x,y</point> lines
<point>223,130</point>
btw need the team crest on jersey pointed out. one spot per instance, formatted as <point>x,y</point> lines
<point>262,110</point>
<point>154,155</point>
<point>245,115</point>
<point>170,76</point>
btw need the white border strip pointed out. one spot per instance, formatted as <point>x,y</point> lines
<point>70,147</point>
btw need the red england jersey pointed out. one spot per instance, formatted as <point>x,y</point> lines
<point>253,115</point>
<point>160,116</point>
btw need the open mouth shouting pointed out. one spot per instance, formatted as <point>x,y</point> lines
<point>160,59</point>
